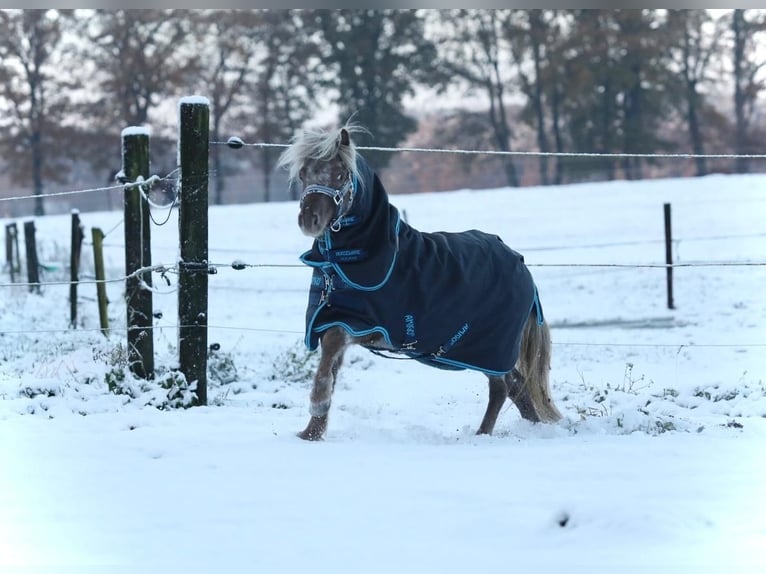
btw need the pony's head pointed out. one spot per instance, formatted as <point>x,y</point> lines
<point>324,162</point>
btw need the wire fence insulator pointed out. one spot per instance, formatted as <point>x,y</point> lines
<point>235,143</point>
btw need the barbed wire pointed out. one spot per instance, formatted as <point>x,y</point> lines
<point>164,269</point>
<point>676,241</point>
<point>121,328</point>
<point>236,143</point>
<point>122,186</point>
<point>145,328</point>
<point>238,265</point>
<point>154,178</point>
<point>655,265</point>
<point>60,193</point>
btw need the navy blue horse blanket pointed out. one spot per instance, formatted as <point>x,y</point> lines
<point>450,300</point>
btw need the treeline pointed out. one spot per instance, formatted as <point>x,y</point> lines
<point>605,81</point>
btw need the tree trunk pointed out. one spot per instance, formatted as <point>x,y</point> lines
<point>692,104</point>
<point>220,182</point>
<point>267,168</point>
<point>537,27</point>
<point>740,133</point>
<point>500,127</point>
<point>606,130</point>
<point>695,132</point>
<point>557,136</point>
<point>37,171</point>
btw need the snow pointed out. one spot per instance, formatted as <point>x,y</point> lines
<point>658,464</point>
<point>193,100</point>
<point>136,131</point>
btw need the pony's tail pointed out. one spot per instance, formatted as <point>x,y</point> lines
<point>529,387</point>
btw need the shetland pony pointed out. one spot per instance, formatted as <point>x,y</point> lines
<point>448,300</point>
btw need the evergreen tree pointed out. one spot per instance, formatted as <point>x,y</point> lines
<point>372,60</point>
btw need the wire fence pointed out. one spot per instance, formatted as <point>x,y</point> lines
<point>211,268</point>
<point>235,142</point>
<point>165,269</point>
<point>677,346</point>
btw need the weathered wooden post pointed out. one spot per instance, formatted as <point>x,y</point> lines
<point>669,255</point>
<point>74,266</point>
<point>11,240</point>
<point>194,114</point>
<point>15,238</point>
<point>98,260</point>
<point>138,255</point>
<point>33,266</point>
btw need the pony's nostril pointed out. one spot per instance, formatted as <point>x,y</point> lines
<point>315,220</point>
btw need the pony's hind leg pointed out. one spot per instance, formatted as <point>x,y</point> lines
<point>528,384</point>
<point>498,391</point>
<point>517,392</point>
<point>333,344</point>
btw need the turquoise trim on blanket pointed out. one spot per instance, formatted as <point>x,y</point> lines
<point>322,265</point>
<point>460,365</point>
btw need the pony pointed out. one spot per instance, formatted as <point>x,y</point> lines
<point>448,300</point>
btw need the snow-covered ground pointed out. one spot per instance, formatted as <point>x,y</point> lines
<point>658,464</point>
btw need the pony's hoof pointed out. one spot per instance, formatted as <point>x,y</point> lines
<point>309,435</point>
<point>315,429</point>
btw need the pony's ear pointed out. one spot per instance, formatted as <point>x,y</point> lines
<point>345,139</point>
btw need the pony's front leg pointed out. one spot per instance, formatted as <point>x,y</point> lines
<point>333,344</point>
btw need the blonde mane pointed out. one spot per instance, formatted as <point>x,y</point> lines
<point>322,145</point>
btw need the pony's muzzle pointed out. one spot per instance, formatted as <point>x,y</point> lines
<point>309,222</point>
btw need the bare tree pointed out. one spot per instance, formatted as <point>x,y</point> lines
<point>33,97</point>
<point>139,57</point>
<point>474,49</point>
<point>694,40</point>
<point>227,54</point>
<point>533,36</point>
<point>749,82</point>
<point>283,85</point>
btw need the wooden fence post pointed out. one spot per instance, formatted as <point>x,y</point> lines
<point>8,248</point>
<point>15,231</point>
<point>33,266</point>
<point>669,255</point>
<point>193,238</point>
<point>74,266</point>
<point>138,255</point>
<point>12,250</point>
<point>98,260</point>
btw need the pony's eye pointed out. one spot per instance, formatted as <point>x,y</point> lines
<point>340,176</point>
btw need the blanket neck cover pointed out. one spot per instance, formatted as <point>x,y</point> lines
<point>449,300</point>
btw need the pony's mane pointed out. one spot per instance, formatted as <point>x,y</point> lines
<point>322,145</point>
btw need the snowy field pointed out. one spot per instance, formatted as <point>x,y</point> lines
<point>657,466</point>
